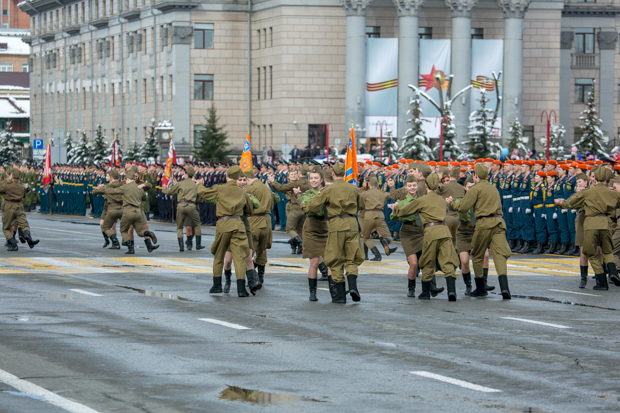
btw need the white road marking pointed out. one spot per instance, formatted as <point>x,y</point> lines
<point>224,323</point>
<point>535,322</point>
<point>573,292</point>
<point>48,396</point>
<point>456,382</point>
<point>65,264</point>
<point>77,290</point>
<point>72,232</point>
<point>324,289</point>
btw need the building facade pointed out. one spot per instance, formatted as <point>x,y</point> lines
<point>294,72</point>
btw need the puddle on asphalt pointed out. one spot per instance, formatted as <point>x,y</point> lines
<point>261,397</point>
<point>62,296</point>
<point>284,265</point>
<point>554,300</point>
<point>150,293</point>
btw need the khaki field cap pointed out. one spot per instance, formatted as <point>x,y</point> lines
<point>234,172</point>
<point>113,173</point>
<point>600,174</point>
<point>190,171</point>
<point>432,181</point>
<point>481,171</point>
<point>338,168</point>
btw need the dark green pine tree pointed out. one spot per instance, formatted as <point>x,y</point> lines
<point>68,142</point>
<point>481,132</point>
<point>210,144</point>
<point>100,150</point>
<point>150,148</point>
<point>10,148</point>
<point>133,153</point>
<point>592,139</point>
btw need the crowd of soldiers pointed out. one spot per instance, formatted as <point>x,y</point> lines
<point>444,213</point>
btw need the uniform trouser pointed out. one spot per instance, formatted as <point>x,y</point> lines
<point>188,210</point>
<point>372,224</point>
<point>132,217</point>
<point>495,240</point>
<point>343,252</point>
<point>109,222</point>
<point>517,223</point>
<point>552,224</point>
<point>282,211</point>
<point>262,239</point>
<point>438,250</point>
<point>510,229</point>
<point>294,220</point>
<point>563,225</point>
<point>528,232</point>
<point>452,221</point>
<point>13,212</point>
<point>391,225</point>
<point>616,250</point>
<point>540,225</point>
<point>593,238</point>
<point>237,242</point>
<point>570,218</point>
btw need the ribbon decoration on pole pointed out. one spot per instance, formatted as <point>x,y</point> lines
<point>350,164</point>
<point>47,170</point>
<point>172,160</point>
<point>115,159</point>
<point>245,163</point>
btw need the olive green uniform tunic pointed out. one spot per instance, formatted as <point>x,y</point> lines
<point>315,227</point>
<point>344,248</point>
<point>132,198</point>
<point>186,192</point>
<point>374,218</point>
<point>260,220</point>
<point>113,207</point>
<point>438,245</point>
<point>12,209</point>
<point>294,215</point>
<point>412,231</point>
<point>232,203</point>
<point>455,190</point>
<point>490,229</point>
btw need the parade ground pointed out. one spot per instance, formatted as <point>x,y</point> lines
<point>86,329</point>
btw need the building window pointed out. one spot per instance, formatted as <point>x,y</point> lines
<point>271,36</point>
<point>203,87</point>
<point>585,1</point>
<point>270,82</point>
<point>4,46</point>
<point>5,25</point>
<point>197,130</point>
<point>258,85</point>
<point>425,32</point>
<point>24,67</point>
<point>619,91</point>
<point>528,132</point>
<point>477,34</point>
<point>5,12</point>
<point>584,40</point>
<point>583,86</point>
<point>203,36</point>
<point>373,31</point>
<point>6,67</point>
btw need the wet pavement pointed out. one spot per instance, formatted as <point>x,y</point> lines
<point>139,333</point>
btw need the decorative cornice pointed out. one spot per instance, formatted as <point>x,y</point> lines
<point>27,40</point>
<point>607,40</point>
<point>590,11</point>
<point>355,7</point>
<point>408,7</point>
<point>461,8</point>
<point>514,8</point>
<point>131,15</point>
<point>175,5</point>
<point>73,30</point>
<point>101,23</point>
<point>48,37</point>
<point>566,40</point>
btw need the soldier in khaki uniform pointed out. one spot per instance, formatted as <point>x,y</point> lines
<point>438,245</point>
<point>344,248</point>
<point>13,192</point>
<point>455,190</point>
<point>232,203</point>
<point>374,219</point>
<point>295,217</point>
<point>132,196</point>
<point>599,202</point>
<point>186,192</point>
<point>113,209</point>
<point>260,221</point>
<point>489,232</point>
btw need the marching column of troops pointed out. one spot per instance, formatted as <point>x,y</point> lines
<point>443,214</point>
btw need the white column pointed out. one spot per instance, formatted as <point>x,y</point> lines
<point>566,48</point>
<point>607,44</point>
<point>408,64</point>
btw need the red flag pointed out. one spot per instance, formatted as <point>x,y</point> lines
<point>47,170</point>
<point>115,159</point>
<point>172,160</point>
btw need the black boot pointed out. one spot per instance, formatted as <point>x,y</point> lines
<point>253,282</point>
<point>293,246</point>
<point>527,248</point>
<point>511,244</point>
<point>377,256</point>
<point>227,275</point>
<point>241,291</point>
<point>341,293</point>
<point>467,280</point>
<point>189,244</point>
<point>115,244</point>
<point>146,214</point>
<point>613,274</point>
<point>396,236</point>
<point>426,291</point>
<point>324,271</point>
<point>12,245</point>
<point>106,240</point>
<point>410,288</point>
<point>386,246</point>
<point>538,250</point>
<point>451,283</point>
<point>29,240</point>
<point>299,244</point>
<point>576,251</point>
<point>152,236</point>
<point>434,289</point>
<point>199,245</point>
<point>550,248</point>
<point>485,276</point>
<point>181,246</point>
<point>260,270</point>
<point>355,295</point>
<point>130,249</point>
<point>584,276</point>
<point>561,248</point>
<point>503,286</point>
<point>480,290</point>
<point>312,286</point>
<point>518,246</point>
<point>149,245</point>
<point>20,234</point>
<point>601,282</point>
<point>332,288</point>
<point>365,252</point>
<point>217,285</point>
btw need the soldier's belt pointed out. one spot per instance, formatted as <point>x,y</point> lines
<point>343,216</point>
<point>115,204</point>
<point>186,202</point>
<point>507,197</point>
<point>412,223</point>
<point>230,217</point>
<point>316,217</point>
<point>549,205</point>
<point>377,210</point>
<point>522,198</point>
<point>538,206</point>
<point>129,206</point>
<point>490,216</point>
<point>432,224</point>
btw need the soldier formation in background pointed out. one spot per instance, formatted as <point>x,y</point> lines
<point>442,212</point>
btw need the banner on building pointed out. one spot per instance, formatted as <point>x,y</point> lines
<point>434,60</point>
<point>381,85</point>
<point>487,56</point>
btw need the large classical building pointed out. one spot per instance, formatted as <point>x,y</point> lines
<point>293,71</point>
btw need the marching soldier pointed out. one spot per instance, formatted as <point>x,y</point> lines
<point>113,211</point>
<point>186,192</point>
<point>13,193</point>
<point>537,208</point>
<point>374,219</point>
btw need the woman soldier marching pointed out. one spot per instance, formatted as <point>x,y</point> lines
<point>315,229</point>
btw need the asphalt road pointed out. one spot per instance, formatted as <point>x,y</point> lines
<point>83,328</point>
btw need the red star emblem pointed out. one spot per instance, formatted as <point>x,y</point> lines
<point>431,82</point>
